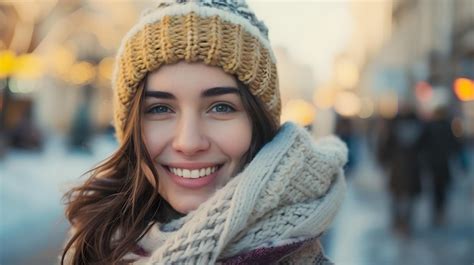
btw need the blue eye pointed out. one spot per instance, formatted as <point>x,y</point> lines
<point>159,109</point>
<point>222,108</point>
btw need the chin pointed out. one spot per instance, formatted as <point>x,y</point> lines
<point>186,204</point>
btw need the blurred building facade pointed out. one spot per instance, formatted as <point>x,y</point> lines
<point>58,56</point>
<point>348,94</point>
<point>57,50</point>
<point>430,47</point>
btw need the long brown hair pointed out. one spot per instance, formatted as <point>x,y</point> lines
<point>117,205</point>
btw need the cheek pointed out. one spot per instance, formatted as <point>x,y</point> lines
<point>233,138</point>
<point>154,137</point>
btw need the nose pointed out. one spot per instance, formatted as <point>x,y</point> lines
<point>190,137</point>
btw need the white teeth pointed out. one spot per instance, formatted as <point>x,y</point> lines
<point>186,173</point>
<point>195,173</point>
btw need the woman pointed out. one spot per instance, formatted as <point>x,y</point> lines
<point>204,173</point>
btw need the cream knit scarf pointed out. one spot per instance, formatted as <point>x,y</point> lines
<point>291,189</point>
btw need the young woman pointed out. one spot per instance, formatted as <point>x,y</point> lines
<point>204,172</point>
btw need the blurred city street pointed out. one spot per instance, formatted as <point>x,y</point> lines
<point>389,77</point>
<point>31,188</point>
<point>32,219</point>
<point>362,231</point>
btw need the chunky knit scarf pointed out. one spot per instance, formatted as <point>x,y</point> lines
<point>289,193</point>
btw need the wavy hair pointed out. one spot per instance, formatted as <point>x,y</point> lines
<point>117,204</point>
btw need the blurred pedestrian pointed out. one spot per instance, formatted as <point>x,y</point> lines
<point>26,134</point>
<point>81,129</point>
<point>204,172</point>
<point>439,144</point>
<point>345,130</point>
<point>400,154</point>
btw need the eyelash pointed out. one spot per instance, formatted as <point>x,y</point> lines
<point>151,110</point>
<point>230,108</point>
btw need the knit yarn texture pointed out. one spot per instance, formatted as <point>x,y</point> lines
<point>222,33</point>
<point>291,190</point>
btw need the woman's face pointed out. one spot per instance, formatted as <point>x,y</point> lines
<point>195,129</point>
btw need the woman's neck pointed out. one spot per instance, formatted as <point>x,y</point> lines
<point>166,213</point>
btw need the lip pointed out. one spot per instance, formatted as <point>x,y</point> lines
<point>192,183</point>
<point>193,165</point>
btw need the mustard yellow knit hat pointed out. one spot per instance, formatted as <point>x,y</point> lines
<point>223,33</point>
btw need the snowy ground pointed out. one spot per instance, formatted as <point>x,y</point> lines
<point>361,234</point>
<point>32,226</point>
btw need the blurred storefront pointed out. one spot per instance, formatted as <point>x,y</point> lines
<point>56,57</point>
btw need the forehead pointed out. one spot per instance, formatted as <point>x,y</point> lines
<point>188,76</point>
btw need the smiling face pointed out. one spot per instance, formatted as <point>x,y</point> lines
<point>196,130</point>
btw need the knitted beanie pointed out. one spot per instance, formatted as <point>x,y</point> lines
<point>223,33</point>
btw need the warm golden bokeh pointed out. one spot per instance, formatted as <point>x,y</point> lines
<point>386,76</point>
<point>464,89</point>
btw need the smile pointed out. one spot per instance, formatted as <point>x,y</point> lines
<point>193,173</point>
<point>193,176</point>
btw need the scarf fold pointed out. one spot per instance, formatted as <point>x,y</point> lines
<point>290,191</point>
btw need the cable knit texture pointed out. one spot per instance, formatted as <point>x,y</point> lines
<point>290,192</point>
<point>222,33</point>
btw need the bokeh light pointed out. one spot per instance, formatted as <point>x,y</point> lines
<point>81,73</point>
<point>464,89</point>
<point>423,91</point>
<point>106,68</point>
<point>7,63</point>
<point>347,104</point>
<point>324,97</point>
<point>299,111</point>
<point>61,58</point>
<point>347,73</point>
<point>367,108</point>
<point>388,105</point>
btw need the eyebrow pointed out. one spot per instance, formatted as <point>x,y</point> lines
<point>217,91</point>
<point>211,92</point>
<point>159,94</point>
